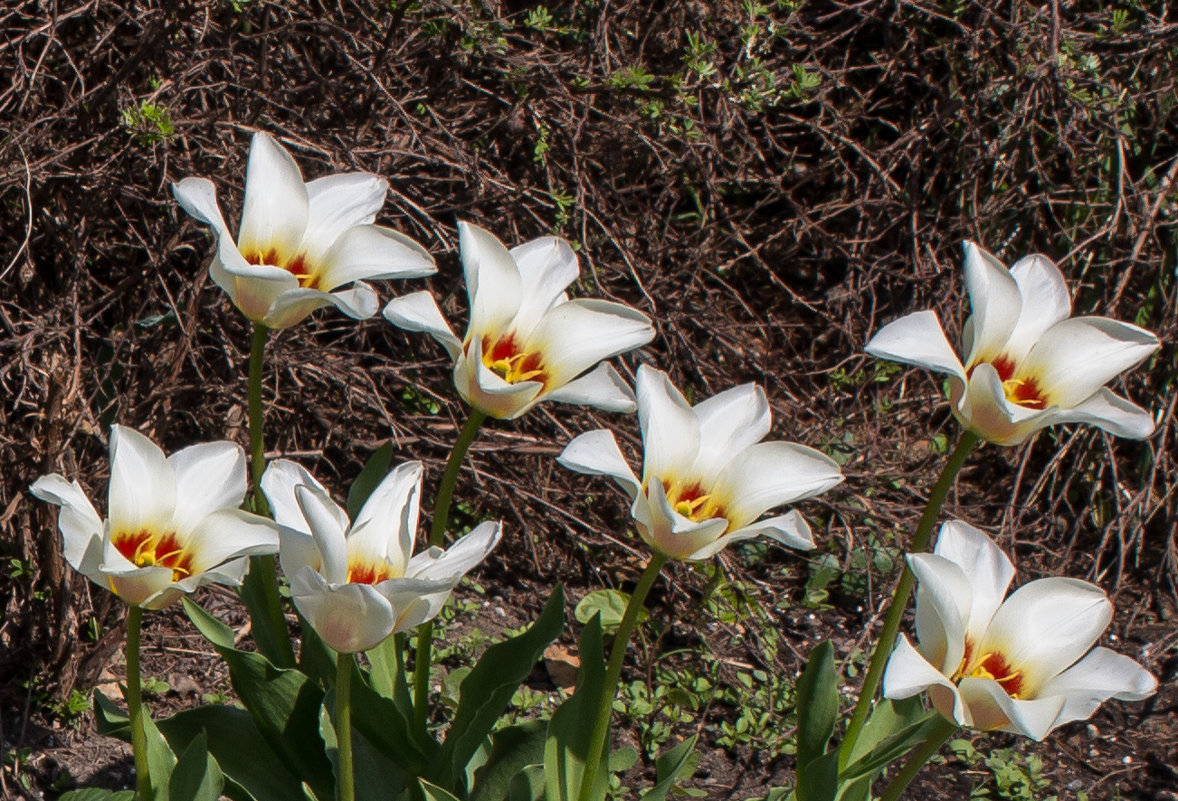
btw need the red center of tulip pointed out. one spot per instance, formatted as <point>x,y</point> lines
<point>692,502</point>
<point>297,266</point>
<point>1023,391</point>
<point>510,362</point>
<point>992,665</point>
<point>146,549</point>
<point>367,573</point>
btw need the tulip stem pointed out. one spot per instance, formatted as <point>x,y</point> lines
<point>143,790</point>
<point>887,636</point>
<point>925,751</point>
<point>423,656</point>
<point>260,588</point>
<point>599,740</point>
<point>345,784</point>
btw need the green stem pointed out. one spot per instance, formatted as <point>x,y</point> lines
<point>887,636</point>
<point>423,657</point>
<point>598,742</point>
<point>919,757</point>
<point>135,706</point>
<point>345,787</point>
<point>257,449</point>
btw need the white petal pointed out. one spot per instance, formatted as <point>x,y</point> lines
<point>419,312</point>
<point>1045,302</point>
<point>323,517</point>
<point>1099,676</point>
<point>253,288</point>
<point>908,674</point>
<point>983,409</point>
<point>297,549</point>
<point>670,429</point>
<point>1116,415</point>
<point>486,390</point>
<point>148,587</point>
<point>769,474</point>
<point>493,282</point>
<point>675,535</point>
<point>917,339</point>
<point>944,598</point>
<point>995,304</point>
<point>991,708</point>
<point>1045,626</point>
<point>596,453</point>
<point>336,203</point>
<point>576,335</point>
<point>230,534</point>
<point>453,563</point>
<point>370,252</point>
<point>142,484</point>
<point>988,568</point>
<point>80,525</point>
<point>601,388</point>
<point>198,197</point>
<point>274,214</point>
<point>278,484</point>
<point>294,304</point>
<point>790,529</point>
<point>385,526</point>
<point>546,266</point>
<point>1076,357</point>
<point>729,423</point>
<point>209,477</point>
<point>415,601</point>
<point>349,617</point>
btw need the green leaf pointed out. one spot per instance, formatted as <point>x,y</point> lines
<point>374,472</point>
<point>387,728</point>
<point>388,674</point>
<point>96,794</point>
<point>513,748</point>
<point>886,743</point>
<point>434,793</point>
<point>196,776</point>
<point>887,718</point>
<point>673,766</point>
<point>379,773</point>
<point>818,702</point>
<point>160,759</point>
<point>528,784</point>
<point>610,604</point>
<point>272,640</point>
<point>487,690</point>
<point>571,726</point>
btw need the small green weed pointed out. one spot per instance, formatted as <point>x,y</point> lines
<point>1013,776</point>
<point>148,123</point>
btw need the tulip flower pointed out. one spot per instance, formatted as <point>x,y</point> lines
<point>527,342</point>
<point>707,478</point>
<point>173,522</point>
<point>1024,664</point>
<point>1028,363</point>
<point>299,243</point>
<point>358,583</point>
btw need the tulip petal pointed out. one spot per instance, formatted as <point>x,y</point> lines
<point>729,423</point>
<point>486,390</point>
<point>546,266</point>
<point>293,305</point>
<point>79,524</point>
<point>769,474</point>
<point>349,617</point>
<point>675,535</point>
<point>435,564</point>
<point>335,203</point>
<point>995,304</point>
<point>1076,357</point>
<point>419,311</point>
<point>1116,415</point>
<point>229,534</point>
<point>790,529</point>
<point>369,252</point>
<point>917,339</point>
<point>1045,626</point>
<point>991,708</point>
<point>142,484</point>
<point>983,409</point>
<point>944,598</point>
<point>576,335</point>
<point>278,484</point>
<point>198,197</point>
<point>493,282</point>
<point>670,429</point>
<point>274,213</point>
<point>908,674</point>
<point>1045,302</point>
<point>323,516</point>
<point>147,587</point>
<point>989,569</point>
<point>297,549</point>
<point>415,601</point>
<point>1099,676</point>
<point>602,388</point>
<point>385,526</point>
<point>209,477</point>
<point>596,453</point>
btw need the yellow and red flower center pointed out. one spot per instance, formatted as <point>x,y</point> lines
<point>367,573</point>
<point>1022,390</point>
<point>297,266</point>
<point>506,359</point>
<point>692,502</point>
<point>991,665</point>
<point>147,549</point>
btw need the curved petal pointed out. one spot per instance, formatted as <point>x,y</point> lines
<point>209,477</point>
<point>670,429</point>
<point>675,535</point>
<point>1076,357</point>
<point>944,598</point>
<point>486,390</point>
<point>384,528</point>
<point>983,409</point>
<point>908,674</point>
<point>369,252</point>
<point>991,708</point>
<point>415,601</point>
<point>80,526</point>
<point>1116,415</point>
<point>769,474</point>
<point>453,563</point>
<point>988,568</point>
<point>995,304</point>
<point>228,534</point>
<point>278,484</point>
<point>1045,626</point>
<point>602,388</point>
<point>729,423</point>
<point>336,203</point>
<point>142,484</point>
<point>917,339</point>
<point>274,214</point>
<point>493,282</point>
<point>1045,302</point>
<point>419,311</point>
<point>349,617</point>
<point>546,266</point>
<point>297,549</point>
<point>294,304</point>
<point>790,529</point>
<point>323,517</point>
<point>198,197</point>
<point>596,453</point>
<point>576,335</point>
<point>1099,676</point>
<point>148,587</point>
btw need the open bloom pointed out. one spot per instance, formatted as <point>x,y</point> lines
<point>358,583</point>
<point>1028,364</point>
<point>173,522</point>
<point>298,243</point>
<point>527,342</point>
<point>706,476</point>
<point>1024,664</point>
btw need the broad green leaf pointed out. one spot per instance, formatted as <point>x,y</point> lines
<point>513,748</point>
<point>316,659</point>
<point>96,794</point>
<point>571,725</point>
<point>377,775</point>
<point>387,728</point>
<point>891,748</point>
<point>487,690</point>
<point>434,793</point>
<point>388,674</point>
<point>374,472</point>
<point>818,779</point>
<point>674,766</point>
<point>196,776</point>
<point>610,604</point>
<point>818,702</point>
<point>887,718</point>
<point>273,641</point>
<point>528,784</point>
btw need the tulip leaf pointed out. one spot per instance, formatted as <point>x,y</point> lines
<point>487,690</point>
<point>818,702</point>
<point>97,794</point>
<point>381,725</point>
<point>196,775</point>
<point>570,729</point>
<point>528,784</point>
<point>374,472</point>
<point>434,793</point>
<point>611,604</point>
<point>673,766</point>
<point>388,673</point>
<point>513,748</point>
<point>283,704</point>
<point>375,776</point>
